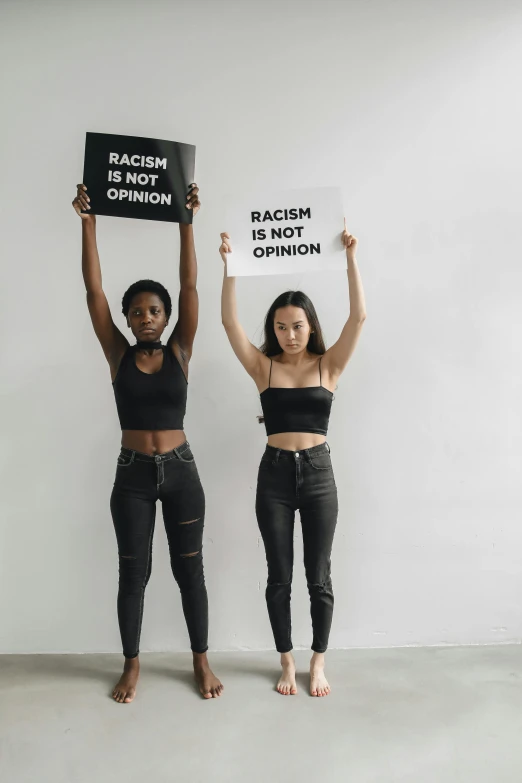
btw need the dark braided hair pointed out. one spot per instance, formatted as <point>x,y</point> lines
<point>149,287</point>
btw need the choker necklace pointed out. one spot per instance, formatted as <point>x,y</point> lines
<point>144,345</point>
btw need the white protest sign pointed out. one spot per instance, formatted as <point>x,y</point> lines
<point>286,231</point>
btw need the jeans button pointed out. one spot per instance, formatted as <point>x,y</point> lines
<point>158,459</point>
<point>297,455</point>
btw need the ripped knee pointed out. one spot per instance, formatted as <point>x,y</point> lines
<point>321,587</point>
<point>190,522</point>
<point>191,554</point>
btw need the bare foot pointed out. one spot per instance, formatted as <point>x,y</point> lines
<point>287,685</point>
<point>125,689</point>
<point>209,685</point>
<point>318,682</point>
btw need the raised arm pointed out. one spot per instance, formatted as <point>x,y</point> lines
<point>255,363</point>
<point>188,304</point>
<point>112,341</point>
<point>336,358</point>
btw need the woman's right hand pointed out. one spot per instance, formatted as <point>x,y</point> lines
<point>225,247</point>
<point>82,202</point>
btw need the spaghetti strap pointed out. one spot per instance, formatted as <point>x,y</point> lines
<point>320,379</point>
<point>270,374</point>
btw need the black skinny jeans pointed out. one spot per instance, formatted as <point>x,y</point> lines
<point>287,481</point>
<point>141,480</point>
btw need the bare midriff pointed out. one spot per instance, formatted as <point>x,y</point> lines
<point>152,441</point>
<point>295,441</point>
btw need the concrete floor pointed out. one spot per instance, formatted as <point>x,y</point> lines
<point>423,715</point>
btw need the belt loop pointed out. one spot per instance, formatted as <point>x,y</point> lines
<point>276,458</point>
<point>328,447</point>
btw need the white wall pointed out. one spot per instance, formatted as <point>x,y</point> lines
<point>413,107</point>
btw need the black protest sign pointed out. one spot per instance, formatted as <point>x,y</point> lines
<point>135,177</point>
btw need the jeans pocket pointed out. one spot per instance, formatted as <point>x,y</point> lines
<point>124,459</point>
<point>321,462</point>
<point>186,455</point>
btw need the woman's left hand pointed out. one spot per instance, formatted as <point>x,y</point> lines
<point>193,201</point>
<point>350,243</point>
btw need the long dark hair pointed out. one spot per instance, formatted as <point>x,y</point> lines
<point>316,344</point>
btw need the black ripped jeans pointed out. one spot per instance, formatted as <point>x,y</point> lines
<point>287,481</point>
<point>141,480</point>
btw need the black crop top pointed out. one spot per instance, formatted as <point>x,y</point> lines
<point>154,401</point>
<point>305,409</point>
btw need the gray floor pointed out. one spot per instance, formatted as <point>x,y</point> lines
<point>413,715</point>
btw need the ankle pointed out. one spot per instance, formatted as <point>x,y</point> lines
<point>132,664</point>
<point>287,659</point>
<point>200,660</point>
<point>317,661</point>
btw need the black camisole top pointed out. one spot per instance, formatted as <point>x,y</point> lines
<point>296,410</point>
<point>154,401</point>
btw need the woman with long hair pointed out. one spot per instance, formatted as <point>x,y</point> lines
<point>296,376</point>
<point>155,462</point>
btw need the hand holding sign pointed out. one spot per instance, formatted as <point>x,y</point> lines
<point>350,243</point>
<point>193,201</point>
<point>225,247</point>
<point>82,202</point>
